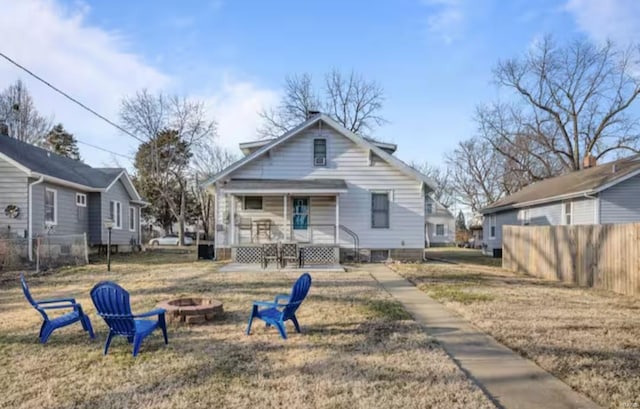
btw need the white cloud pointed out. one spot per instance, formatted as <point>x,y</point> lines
<point>445,19</point>
<point>618,20</point>
<point>235,107</point>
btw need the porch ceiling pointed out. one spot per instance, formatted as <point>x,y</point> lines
<point>283,186</point>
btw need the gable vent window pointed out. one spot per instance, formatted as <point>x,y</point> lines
<point>81,200</point>
<point>319,152</point>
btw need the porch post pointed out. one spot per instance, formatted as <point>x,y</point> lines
<point>233,220</point>
<point>284,217</point>
<point>337,238</point>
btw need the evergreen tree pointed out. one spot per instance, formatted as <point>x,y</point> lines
<point>62,142</point>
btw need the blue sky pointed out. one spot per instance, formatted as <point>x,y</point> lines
<point>432,57</point>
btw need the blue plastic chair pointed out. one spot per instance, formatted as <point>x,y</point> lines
<point>49,325</point>
<point>112,304</point>
<point>283,307</point>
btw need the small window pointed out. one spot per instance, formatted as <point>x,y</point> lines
<point>253,203</point>
<point>568,210</point>
<point>115,213</point>
<point>132,219</point>
<point>319,152</point>
<point>50,206</point>
<point>492,226</point>
<point>81,200</point>
<point>525,218</point>
<point>380,210</point>
<point>429,208</point>
<point>439,229</point>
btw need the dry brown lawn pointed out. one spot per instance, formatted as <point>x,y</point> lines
<point>358,348</point>
<point>589,339</point>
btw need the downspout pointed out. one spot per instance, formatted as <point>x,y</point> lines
<point>596,207</point>
<point>215,224</point>
<point>30,227</point>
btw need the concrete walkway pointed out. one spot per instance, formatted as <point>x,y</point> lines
<point>508,379</point>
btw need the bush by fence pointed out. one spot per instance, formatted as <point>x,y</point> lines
<point>61,250</point>
<point>599,256</point>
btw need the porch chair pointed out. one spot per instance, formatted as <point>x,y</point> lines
<point>289,252</point>
<point>283,307</point>
<point>270,252</point>
<point>49,324</point>
<point>112,304</point>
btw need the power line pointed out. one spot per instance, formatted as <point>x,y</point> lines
<point>69,97</point>
<point>106,150</point>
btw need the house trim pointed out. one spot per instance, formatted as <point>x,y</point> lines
<point>272,192</point>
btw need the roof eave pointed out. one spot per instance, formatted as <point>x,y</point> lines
<point>520,205</point>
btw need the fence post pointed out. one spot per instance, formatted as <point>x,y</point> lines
<point>86,249</point>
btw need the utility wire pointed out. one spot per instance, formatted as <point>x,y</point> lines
<point>69,97</point>
<point>106,150</point>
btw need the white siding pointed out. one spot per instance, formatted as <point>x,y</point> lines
<point>440,215</point>
<point>13,191</point>
<point>621,203</point>
<point>345,160</point>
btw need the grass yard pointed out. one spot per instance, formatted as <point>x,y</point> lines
<point>462,256</point>
<point>359,349</point>
<point>589,339</point>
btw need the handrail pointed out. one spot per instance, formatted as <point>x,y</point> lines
<point>356,241</point>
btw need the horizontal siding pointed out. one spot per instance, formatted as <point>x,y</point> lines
<point>94,201</point>
<point>345,160</point>
<point>504,218</point>
<point>584,211</point>
<point>621,203</point>
<point>72,219</point>
<point>119,236</point>
<point>13,191</point>
<point>449,229</point>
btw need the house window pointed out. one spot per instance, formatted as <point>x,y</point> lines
<point>568,212</point>
<point>380,210</point>
<point>439,229</point>
<point>319,152</point>
<point>50,206</point>
<point>525,218</point>
<point>115,213</point>
<point>253,203</point>
<point>429,206</point>
<point>132,219</point>
<point>81,200</point>
<point>492,226</point>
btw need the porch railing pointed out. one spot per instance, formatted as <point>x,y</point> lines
<point>258,232</point>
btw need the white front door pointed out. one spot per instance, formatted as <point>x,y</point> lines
<point>300,219</point>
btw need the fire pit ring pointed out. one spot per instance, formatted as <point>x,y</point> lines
<point>192,310</point>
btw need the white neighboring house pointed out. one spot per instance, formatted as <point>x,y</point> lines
<point>440,224</point>
<point>325,188</point>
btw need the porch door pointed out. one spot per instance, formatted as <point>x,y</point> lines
<point>300,219</point>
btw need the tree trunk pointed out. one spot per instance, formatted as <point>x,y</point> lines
<point>181,220</point>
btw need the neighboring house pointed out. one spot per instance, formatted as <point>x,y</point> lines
<point>323,187</point>
<point>57,195</point>
<point>440,224</point>
<point>602,194</point>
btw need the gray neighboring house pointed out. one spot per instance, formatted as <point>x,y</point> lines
<point>602,194</point>
<point>66,196</point>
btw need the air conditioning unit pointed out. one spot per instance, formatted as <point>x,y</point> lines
<point>320,161</point>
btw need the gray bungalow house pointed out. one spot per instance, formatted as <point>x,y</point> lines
<point>44,193</point>
<point>598,194</point>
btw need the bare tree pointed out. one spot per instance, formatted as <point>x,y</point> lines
<point>19,112</point>
<point>571,101</point>
<point>349,99</point>
<point>443,193</point>
<point>171,127</point>
<point>208,160</point>
<point>477,174</point>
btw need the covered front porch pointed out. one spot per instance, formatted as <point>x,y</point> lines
<point>289,223</point>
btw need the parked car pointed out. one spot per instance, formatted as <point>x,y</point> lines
<point>170,240</point>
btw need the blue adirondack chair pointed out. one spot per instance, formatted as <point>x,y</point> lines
<point>283,307</point>
<point>112,304</point>
<point>49,325</point>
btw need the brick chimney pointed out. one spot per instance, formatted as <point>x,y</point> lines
<point>589,161</point>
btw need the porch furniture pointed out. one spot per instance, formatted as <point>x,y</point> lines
<point>245,224</point>
<point>289,252</point>
<point>112,304</point>
<point>270,252</point>
<point>49,324</point>
<point>283,307</point>
<point>263,229</point>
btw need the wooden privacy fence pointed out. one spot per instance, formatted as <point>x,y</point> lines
<point>599,256</point>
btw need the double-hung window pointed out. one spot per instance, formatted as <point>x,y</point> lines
<point>319,152</point>
<point>429,206</point>
<point>439,229</point>
<point>492,226</point>
<point>568,212</point>
<point>115,212</point>
<point>132,219</point>
<point>50,206</point>
<point>380,210</point>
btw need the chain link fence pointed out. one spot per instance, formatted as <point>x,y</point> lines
<point>54,251</point>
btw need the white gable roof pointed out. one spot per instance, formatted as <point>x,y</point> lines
<point>358,140</point>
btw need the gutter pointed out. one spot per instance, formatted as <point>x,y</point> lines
<point>30,227</point>
<point>536,202</point>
